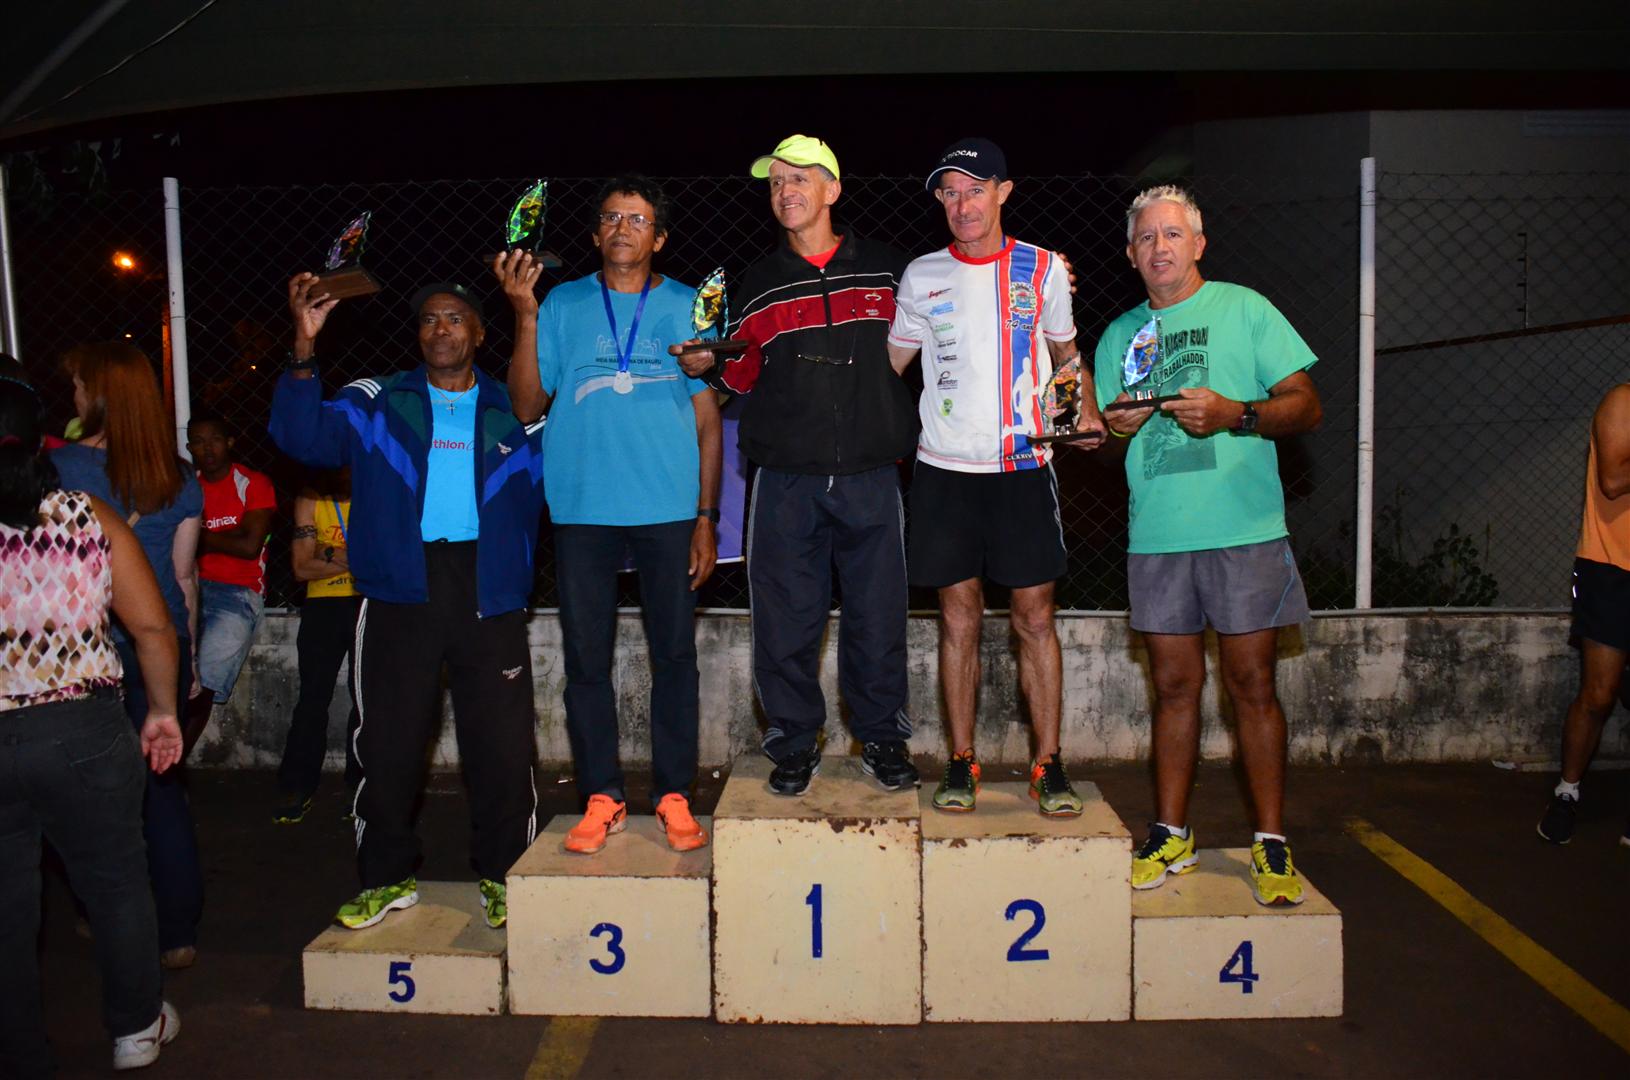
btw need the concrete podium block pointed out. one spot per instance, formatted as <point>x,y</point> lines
<point>439,956</point>
<point>623,932</point>
<point>1026,917</point>
<point>1203,948</point>
<point>817,900</point>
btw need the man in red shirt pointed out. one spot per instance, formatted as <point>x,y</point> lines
<point>238,506</point>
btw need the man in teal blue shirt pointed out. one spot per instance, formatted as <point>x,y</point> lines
<point>631,467</point>
<point>1207,541</point>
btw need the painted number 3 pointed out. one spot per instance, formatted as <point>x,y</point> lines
<point>614,942</point>
<point>1238,969</point>
<point>1017,950</point>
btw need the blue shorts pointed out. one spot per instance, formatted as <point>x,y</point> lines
<point>227,617</point>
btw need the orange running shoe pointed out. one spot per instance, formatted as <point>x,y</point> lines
<point>604,817</point>
<point>684,834</point>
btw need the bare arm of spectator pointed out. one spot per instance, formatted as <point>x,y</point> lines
<point>184,557</point>
<point>308,556</point>
<point>1611,427</point>
<point>243,540</point>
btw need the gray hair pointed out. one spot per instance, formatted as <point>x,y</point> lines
<point>1164,193</point>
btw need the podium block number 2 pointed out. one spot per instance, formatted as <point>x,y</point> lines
<point>1238,969</point>
<point>400,978</point>
<point>1018,951</point>
<point>614,948</point>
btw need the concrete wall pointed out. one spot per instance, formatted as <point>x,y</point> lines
<point>1357,689</point>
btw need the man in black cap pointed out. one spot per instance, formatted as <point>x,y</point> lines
<point>992,317</point>
<point>447,493</point>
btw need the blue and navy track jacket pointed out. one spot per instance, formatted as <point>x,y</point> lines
<point>381,428</point>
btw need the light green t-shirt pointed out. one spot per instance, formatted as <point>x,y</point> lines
<point>1222,491</point>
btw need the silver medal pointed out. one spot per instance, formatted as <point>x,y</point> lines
<point>623,383</point>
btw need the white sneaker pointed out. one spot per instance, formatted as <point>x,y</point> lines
<point>140,1049</point>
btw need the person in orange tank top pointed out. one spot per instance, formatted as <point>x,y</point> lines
<point>1601,607</point>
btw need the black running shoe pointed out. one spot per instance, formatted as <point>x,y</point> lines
<point>889,763</point>
<point>291,809</point>
<point>1557,824</point>
<point>792,774</point>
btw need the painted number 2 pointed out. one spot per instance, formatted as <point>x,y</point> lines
<point>614,943</point>
<point>399,977</point>
<point>1238,969</point>
<point>814,902</point>
<point>1017,950</point>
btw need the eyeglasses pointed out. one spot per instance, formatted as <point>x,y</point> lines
<point>613,218</point>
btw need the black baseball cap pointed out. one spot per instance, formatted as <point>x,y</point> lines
<point>978,158</point>
<point>451,288</point>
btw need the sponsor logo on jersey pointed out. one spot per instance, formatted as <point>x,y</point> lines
<point>872,297</point>
<point>942,309</point>
<point>942,327</point>
<point>946,381</point>
<point>1021,298</point>
<point>945,406</point>
<point>938,292</point>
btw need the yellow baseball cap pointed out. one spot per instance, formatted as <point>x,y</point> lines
<point>800,150</point>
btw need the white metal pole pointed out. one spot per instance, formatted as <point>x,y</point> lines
<point>1366,385</point>
<point>8,286</point>
<point>178,311</point>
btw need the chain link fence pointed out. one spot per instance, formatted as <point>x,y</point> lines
<point>1472,439</point>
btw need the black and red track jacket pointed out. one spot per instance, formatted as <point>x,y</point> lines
<point>846,411</point>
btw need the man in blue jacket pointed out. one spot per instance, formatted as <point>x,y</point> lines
<point>447,492</point>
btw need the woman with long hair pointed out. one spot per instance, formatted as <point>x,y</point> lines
<point>127,457</point>
<point>70,766</point>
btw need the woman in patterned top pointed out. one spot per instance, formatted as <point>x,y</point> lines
<point>71,768</point>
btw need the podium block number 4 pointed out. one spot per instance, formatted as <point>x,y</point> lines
<point>614,948</point>
<point>400,978</point>
<point>1238,969</point>
<point>1017,951</point>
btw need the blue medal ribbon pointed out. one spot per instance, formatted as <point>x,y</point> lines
<point>624,352</point>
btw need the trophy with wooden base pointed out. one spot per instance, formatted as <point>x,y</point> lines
<point>343,275</point>
<point>709,313</point>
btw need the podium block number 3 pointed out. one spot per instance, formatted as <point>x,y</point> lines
<point>1238,969</point>
<point>614,948</point>
<point>400,978</point>
<point>1018,951</point>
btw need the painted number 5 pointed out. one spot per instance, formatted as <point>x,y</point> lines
<point>1238,969</point>
<point>1017,950</point>
<point>399,977</point>
<point>614,942</point>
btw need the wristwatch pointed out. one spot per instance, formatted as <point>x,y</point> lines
<point>709,512</point>
<point>1247,420</point>
<point>328,554</point>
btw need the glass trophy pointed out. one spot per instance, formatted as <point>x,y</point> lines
<point>1061,408</point>
<point>523,229</point>
<point>343,274</point>
<point>709,315</point>
<point>1141,357</point>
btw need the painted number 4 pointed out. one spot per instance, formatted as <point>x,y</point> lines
<point>1238,969</point>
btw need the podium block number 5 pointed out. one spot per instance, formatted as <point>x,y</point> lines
<point>614,947</point>
<point>399,977</point>
<point>1238,969</point>
<point>814,902</point>
<point>1017,951</point>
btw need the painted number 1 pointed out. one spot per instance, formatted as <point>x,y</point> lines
<point>399,977</point>
<point>814,902</point>
<point>1017,951</point>
<point>614,946</point>
<point>1238,969</point>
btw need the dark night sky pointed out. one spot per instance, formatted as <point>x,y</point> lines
<point>1047,123</point>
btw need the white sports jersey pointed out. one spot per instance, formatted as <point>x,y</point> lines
<point>980,324</point>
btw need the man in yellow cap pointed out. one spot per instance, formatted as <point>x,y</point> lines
<point>826,420</point>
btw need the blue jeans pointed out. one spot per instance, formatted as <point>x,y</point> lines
<point>71,773</point>
<point>227,617</point>
<point>587,559</point>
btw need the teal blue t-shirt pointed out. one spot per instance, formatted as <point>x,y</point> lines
<point>612,458</point>
<point>1221,491</point>
<point>449,491</point>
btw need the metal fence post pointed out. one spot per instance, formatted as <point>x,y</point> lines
<point>177,312</point>
<point>1365,514</point>
<point>8,290</point>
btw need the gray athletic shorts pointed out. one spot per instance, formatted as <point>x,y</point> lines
<point>1239,590</point>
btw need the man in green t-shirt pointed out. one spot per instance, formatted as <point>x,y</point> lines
<point>1207,540</point>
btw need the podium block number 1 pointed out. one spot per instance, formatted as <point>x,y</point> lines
<point>1238,969</point>
<point>814,902</point>
<point>1017,951</point>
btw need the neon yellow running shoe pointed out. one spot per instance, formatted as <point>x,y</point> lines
<point>371,905</point>
<point>1273,875</point>
<point>959,787</point>
<point>1162,854</point>
<point>496,899</point>
<point>1051,789</point>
